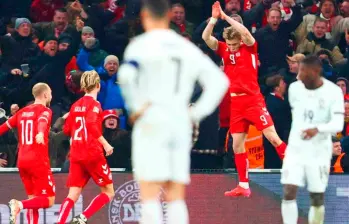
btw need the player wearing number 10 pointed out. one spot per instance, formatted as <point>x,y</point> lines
<point>239,54</point>
<point>33,125</point>
<point>84,125</point>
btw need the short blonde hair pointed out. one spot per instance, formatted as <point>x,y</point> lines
<point>230,34</point>
<point>89,81</point>
<point>39,89</point>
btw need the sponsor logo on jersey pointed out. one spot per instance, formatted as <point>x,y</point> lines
<point>125,208</point>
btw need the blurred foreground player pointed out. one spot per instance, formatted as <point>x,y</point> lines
<point>239,53</point>
<point>84,125</point>
<point>318,112</point>
<point>157,81</point>
<point>33,126</point>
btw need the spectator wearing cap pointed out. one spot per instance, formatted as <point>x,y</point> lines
<point>293,64</point>
<point>43,10</point>
<point>316,40</point>
<point>276,36</point>
<point>58,26</point>
<point>335,25</point>
<point>18,47</point>
<point>178,21</point>
<point>91,56</point>
<point>280,111</point>
<point>110,94</point>
<point>86,32</point>
<point>119,138</point>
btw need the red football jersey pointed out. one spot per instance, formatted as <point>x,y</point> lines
<point>28,121</point>
<point>84,125</point>
<point>241,68</point>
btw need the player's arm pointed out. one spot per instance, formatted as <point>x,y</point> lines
<point>210,40</point>
<point>246,36</point>
<point>44,121</point>
<point>336,122</point>
<point>9,124</point>
<point>215,84</point>
<point>92,116</point>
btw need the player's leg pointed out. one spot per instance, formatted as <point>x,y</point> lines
<point>77,179</point>
<point>258,115</point>
<point>241,162</point>
<point>40,184</point>
<point>289,209</point>
<point>101,174</point>
<point>32,214</point>
<point>177,211</point>
<point>274,139</point>
<point>317,179</point>
<point>292,177</point>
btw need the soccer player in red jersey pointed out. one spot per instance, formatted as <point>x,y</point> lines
<point>239,53</point>
<point>33,125</point>
<point>84,125</point>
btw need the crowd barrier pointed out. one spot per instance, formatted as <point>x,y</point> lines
<point>206,202</point>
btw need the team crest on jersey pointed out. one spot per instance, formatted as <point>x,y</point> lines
<point>125,207</point>
<point>238,54</point>
<point>96,110</point>
<point>46,113</point>
<point>321,103</point>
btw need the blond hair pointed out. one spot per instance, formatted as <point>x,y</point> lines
<point>230,34</point>
<point>39,89</point>
<point>89,81</point>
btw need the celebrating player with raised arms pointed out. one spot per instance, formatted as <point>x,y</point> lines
<point>239,53</point>
<point>84,125</point>
<point>317,113</point>
<point>157,79</point>
<point>33,126</point>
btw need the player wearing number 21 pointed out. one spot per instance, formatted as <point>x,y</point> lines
<point>157,83</point>
<point>33,125</point>
<point>84,125</point>
<point>317,113</point>
<point>239,54</point>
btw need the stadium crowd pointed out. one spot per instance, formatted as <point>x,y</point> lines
<point>55,41</point>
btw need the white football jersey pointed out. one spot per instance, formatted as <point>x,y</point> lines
<point>161,67</point>
<point>322,108</point>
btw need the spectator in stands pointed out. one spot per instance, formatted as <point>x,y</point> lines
<point>343,83</point>
<point>340,160</point>
<point>18,47</point>
<point>55,28</point>
<point>345,8</point>
<point>72,83</point>
<point>43,10</point>
<point>178,22</point>
<point>232,7</point>
<point>86,32</point>
<point>328,70</point>
<point>316,40</point>
<point>293,64</point>
<point>119,138</point>
<point>276,36</point>
<point>334,27</point>
<point>280,111</point>
<point>91,57</point>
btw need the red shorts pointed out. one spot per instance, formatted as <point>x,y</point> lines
<point>247,110</point>
<point>38,181</point>
<point>80,173</point>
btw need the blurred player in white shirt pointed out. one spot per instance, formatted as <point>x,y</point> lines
<point>318,112</point>
<point>157,81</point>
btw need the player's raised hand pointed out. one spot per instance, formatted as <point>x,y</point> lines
<point>309,133</point>
<point>65,116</point>
<point>108,149</point>
<point>216,10</point>
<point>221,12</point>
<point>40,138</point>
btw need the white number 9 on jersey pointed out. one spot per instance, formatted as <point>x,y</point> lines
<point>81,124</point>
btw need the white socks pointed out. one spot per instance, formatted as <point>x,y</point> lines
<point>289,211</point>
<point>151,212</point>
<point>244,185</point>
<point>177,212</point>
<point>316,215</point>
